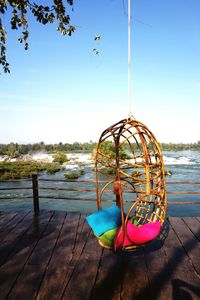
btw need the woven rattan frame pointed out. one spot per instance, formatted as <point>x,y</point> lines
<point>137,180</point>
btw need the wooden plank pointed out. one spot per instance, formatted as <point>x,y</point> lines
<point>12,224</point>
<point>10,271</point>
<point>135,276</point>
<point>198,218</point>
<point>84,274</point>
<point>109,277</point>
<point>158,271</point>
<point>49,238</point>
<point>83,232</point>
<point>14,237</point>
<point>34,232</point>
<point>188,240</point>
<point>185,282</point>
<point>29,280</point>
<point>194,225</point>
<point>54,278</point>
<point>5,217</point>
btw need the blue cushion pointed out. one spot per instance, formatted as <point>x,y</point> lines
<point>104,219</point>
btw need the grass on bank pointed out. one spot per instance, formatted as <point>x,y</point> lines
<point>25,169</point>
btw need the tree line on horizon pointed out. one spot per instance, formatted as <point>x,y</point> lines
<point>13,150</point>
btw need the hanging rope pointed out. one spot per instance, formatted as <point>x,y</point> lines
<point>129,61</point>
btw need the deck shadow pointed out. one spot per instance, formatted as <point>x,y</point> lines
<point>181,290</point>
<point>117,281</point>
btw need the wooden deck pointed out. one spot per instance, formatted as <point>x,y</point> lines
<point>55,256</point>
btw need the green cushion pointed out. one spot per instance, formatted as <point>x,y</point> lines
<point>108,237</point>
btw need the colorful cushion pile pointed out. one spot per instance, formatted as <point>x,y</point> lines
<point>106,225</point>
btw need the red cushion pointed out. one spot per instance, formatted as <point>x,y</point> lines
<point>137,234</point>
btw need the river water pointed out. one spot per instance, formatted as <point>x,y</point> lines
<point>185,166</point>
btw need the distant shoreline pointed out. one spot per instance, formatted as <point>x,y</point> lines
<point>72,158</point>
<point>27,165</point>
<point>16,150</point>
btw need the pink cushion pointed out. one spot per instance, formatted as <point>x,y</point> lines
<point>137,234</point>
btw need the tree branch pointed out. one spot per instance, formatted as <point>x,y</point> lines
<point>43,14</point>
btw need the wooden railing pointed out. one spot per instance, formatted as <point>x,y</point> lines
<point>36,189</point>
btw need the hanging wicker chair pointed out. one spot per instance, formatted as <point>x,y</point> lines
<point>130,171</point>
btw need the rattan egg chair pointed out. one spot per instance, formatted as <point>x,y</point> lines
<point>130,171</point>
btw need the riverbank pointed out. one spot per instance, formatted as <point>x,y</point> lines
<point>42,157</point>
<point>26,165</point>
<point>187,157</point>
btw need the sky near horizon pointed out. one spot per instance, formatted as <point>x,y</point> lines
<point>60,91</point>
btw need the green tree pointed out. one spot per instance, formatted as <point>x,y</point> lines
<point>107,149</point>
<point>17,13</point>
<point>60,157</point>
<point>13,150</point>
<point>23,149</point>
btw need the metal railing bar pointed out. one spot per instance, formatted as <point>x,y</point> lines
<point>16,188</point>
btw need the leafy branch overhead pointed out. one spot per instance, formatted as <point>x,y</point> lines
<point>18,11</point>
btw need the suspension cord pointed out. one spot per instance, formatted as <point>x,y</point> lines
<point>129,61</point>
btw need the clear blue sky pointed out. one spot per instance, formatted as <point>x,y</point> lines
<point>60,91</point>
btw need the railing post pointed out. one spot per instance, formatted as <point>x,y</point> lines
<point>35,194</point>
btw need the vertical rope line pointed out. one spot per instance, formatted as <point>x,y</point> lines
<point>129,60</point>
